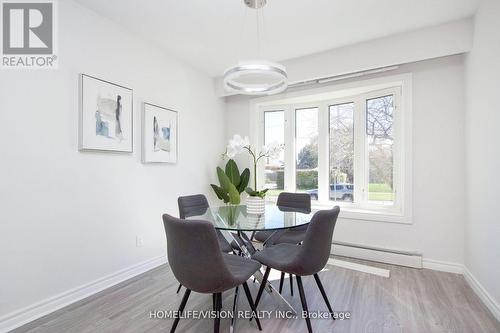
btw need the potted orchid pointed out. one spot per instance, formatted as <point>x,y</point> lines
<point>237,145</point>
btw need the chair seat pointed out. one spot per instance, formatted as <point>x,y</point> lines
<point>292,236</point>
<point>262,236</point>
<point>223,243</point>
<point>241,268</point>
<point>281,257</point>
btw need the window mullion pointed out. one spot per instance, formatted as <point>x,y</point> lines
<point>261,177</point>
<point>323,153</point>
<point>290,149</point>
<point>360,165</point>
<point>398,152</point>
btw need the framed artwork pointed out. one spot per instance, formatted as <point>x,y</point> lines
<point>106,116</point>
<point>159,134</point>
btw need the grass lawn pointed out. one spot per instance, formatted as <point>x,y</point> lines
<point>380,196</point>
<point>274,193</point>
<point>380,192</point>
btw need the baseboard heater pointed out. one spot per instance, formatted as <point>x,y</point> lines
<point>378,254</point>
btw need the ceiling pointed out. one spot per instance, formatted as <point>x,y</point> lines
<point>213,34</point>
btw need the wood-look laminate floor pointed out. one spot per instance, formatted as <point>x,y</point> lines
<point>411,300</point>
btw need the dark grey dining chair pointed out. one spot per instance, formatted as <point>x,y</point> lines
<point>288,202</point>
<point>209,271</point>
<point>195,205</point>
<point>309,258</point>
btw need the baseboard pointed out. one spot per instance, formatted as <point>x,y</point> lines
<point>481,292</point>
<point>443,266</point>
<point>360,267</point>
<point>49,305</point>
<point>386,256</point>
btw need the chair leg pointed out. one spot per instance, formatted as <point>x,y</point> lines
<point>323,293</point>
<point>304,303</point>
<point>218,307</point>
<point>282,279</point>
<point>252,305</point>
<point>179,288</point>
<point>181,308</point>
<point>214,299</point>
<point>291,284</point>
<point>235,309</point>
<point>262,286</point>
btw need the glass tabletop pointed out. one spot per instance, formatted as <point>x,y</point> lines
<point>237,218</point>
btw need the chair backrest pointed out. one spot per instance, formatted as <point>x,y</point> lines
<point>194,255</point>
<point>297,202</point>
<point>315,250</point>
<point>192,205</point>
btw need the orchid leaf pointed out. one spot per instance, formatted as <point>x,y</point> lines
<point>221,194</point>
<point>244,179</point>
<point>228,187</point>
<point>233,173</point>
<point>234,195</point>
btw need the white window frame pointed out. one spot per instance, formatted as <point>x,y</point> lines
<point>358,92</point>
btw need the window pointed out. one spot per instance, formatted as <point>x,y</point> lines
<point>379,137</point>
<point>341,152</point>
<point>274,131</point>
<point>345,150</point>
<point>306,143</point>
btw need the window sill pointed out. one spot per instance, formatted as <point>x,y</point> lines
<point>350,212</point>
<point>365,214</point>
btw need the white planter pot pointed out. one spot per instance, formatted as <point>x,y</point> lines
<point>256,205</point>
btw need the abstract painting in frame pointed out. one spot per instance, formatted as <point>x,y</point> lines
<point>159,134</point>
<point>106,116</point>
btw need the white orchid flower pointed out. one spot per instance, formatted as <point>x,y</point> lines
<point>236,145</point>
<point>231,152</point>
<point>241,142</point>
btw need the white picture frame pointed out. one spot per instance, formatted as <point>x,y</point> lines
<point>105,116</point>
<point>159,134</point>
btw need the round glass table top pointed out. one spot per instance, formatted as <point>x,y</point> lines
<point>236,218</point>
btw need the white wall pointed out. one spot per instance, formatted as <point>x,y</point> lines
<point>438,165</point>
<point>69,218</point>
<point>482,233</point>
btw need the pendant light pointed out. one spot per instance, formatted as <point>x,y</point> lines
<point>256,77</point>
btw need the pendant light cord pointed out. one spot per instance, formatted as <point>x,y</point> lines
<point>237,51</point>
<point>258,33</point>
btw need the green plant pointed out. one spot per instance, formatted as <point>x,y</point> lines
<point>238,144</point>
<point>260,194</point>
<point>232,183</point>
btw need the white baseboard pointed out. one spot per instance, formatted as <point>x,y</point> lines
<point>395,257</point>
<point>443,266</point>
<point>360,268</point>
<point>480,291</point>
<point>44,307</point>
<point>378,255</point>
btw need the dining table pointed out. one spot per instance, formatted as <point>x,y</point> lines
<point>238,227</point>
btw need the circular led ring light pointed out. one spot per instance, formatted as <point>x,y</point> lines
<point>272,71</point>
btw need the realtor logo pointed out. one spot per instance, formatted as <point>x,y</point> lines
<point>28,32</point>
